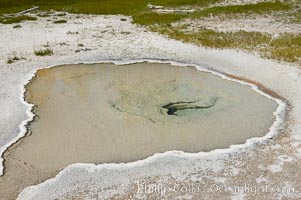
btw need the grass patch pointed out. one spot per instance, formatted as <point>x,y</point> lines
<point>240,39</point>
<point>295,16</point>
<point>287,47</point>
<point>43,52</point>
<point>151,18</point>
<point>127,7</point>
<point>16,19</point>
<point>130,7</point>
<point>258,8</point>
<point>210,38</point>
<point>61,21</point>
<point>138,8</point>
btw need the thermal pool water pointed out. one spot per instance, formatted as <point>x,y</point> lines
<point>105,113</point>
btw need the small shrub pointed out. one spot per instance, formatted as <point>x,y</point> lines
<point>43,52</point>
<point>17,26</point>
<point>9,61</point>
<point>80,45</point>
<point>13,59</point>
<point>61,21</point>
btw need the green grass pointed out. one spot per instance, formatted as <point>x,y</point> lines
<point>295,17</point>
<point>287,47</point>
<point>296,14</point>
<point>43,52</point>
<point>210,38</point>
<point>240,39</point>
<point>138,9</point>
<point>135,8</point>
<point>17,19</point>
<point>151,18</point>
<point>94,6</point>
<point>258,8</point>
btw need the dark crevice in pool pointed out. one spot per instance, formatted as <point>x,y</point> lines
<point>172,108</point>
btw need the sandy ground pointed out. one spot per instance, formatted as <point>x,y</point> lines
<point>113,114</point>
<point>273,162</point>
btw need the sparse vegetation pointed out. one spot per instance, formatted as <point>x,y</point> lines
<point>10,61</point>
<point>138,9</point>
<point>152,18</point>
<point>127,7</point>
<point>17,26</point>
<point>257,8</point>
<point>14,58</point>
<point>61,21</point>
<point>16,19</point>
<point>43,52</point>
<point>43,15</point>
<point>286,47</point>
